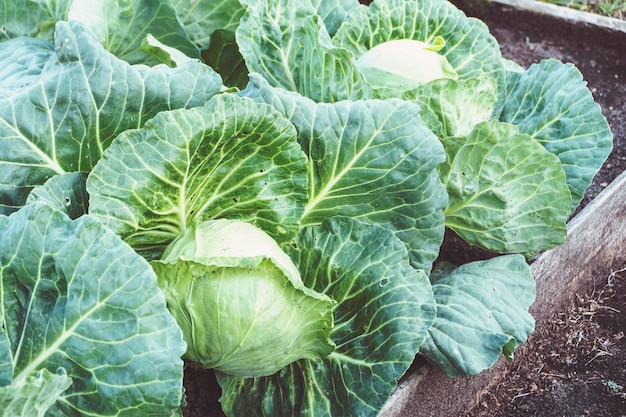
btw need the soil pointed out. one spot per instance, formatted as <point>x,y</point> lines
<point>575,366</point>
<point>202,392</point>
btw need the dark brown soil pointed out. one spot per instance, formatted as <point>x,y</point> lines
<point>203,393</point>
<point>576,366</point>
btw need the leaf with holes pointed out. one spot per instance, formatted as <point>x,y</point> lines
<point>231,158</point>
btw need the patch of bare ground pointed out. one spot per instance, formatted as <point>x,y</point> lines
<point>575,366</point>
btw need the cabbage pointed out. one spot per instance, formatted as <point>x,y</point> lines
<point>404,64</point>
<point>240,300</point>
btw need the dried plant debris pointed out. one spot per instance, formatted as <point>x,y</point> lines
<point>574,366</point>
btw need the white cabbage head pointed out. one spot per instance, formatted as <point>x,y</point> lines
<point>240,300</point>
<point>405,64</point>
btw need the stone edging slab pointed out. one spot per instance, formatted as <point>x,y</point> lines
<point>566,13</point>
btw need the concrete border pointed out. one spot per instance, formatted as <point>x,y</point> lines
<point>566,13</point>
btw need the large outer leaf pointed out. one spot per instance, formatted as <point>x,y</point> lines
<point>469,47</point>
<point>120,25</point>
<point>287,43</point>
<point>482,311</point>
<point>66,305</point>
<point>551,103</point>
<point>83,99</point>
<point>507,193</point>
<point>22,61</point>
<point>374,160</point>
<point>384,309</point>
<point>231,158</point>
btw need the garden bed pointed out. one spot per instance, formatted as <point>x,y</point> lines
<point>280,223</point>
<point>529,31</point>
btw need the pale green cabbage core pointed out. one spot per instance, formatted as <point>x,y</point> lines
<point>405,64</point>
<point>240,300</point>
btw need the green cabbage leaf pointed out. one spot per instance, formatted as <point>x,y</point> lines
<point>231,158</point>
<point>288,44</point>
<point>79,334</point>
<point>507,193</point>
<point>84,97</point>
<point>33,395</point>
<point>482,312</point>
<point>439,101</point>
<point>373,160</point>
<point>552,103</point>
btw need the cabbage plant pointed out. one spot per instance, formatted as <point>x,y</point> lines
<point>240,301</point>
<point>262,187</point>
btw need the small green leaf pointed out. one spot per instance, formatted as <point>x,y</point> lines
<point>506,193</point>
<point>457,106</point>
<point>66,193</point>
<point>482,311</point>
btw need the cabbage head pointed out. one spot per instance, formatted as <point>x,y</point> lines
<point>240,300</point>
<point>405,64</point>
